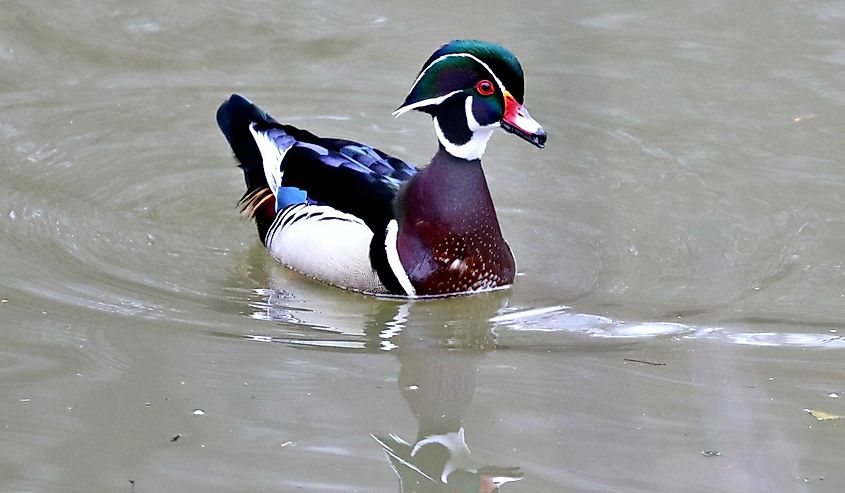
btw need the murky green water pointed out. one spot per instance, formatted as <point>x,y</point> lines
<point>681,299</point>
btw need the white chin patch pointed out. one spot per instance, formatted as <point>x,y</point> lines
<point>473,149</point>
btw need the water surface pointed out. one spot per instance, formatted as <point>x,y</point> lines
<point>680,298</point>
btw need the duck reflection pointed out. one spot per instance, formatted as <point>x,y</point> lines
<point>439,344</point>
<point>437,378</point>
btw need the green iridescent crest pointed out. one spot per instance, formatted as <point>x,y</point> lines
<point>458,66</point>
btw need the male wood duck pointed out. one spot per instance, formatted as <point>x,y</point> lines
<point>352,216</point>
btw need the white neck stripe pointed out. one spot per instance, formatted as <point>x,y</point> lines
<point>391,236</point>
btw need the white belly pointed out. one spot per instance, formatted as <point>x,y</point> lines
<point>326,244</point>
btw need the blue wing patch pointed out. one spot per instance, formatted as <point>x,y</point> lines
<point>287,196</point>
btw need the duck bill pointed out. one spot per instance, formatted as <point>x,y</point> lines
<point>517,121</point>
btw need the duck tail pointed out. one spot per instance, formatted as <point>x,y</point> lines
<point>234,117</point>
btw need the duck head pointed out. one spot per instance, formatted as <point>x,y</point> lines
<point>470,88</point>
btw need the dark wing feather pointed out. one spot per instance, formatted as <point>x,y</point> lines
<point>349,176</point>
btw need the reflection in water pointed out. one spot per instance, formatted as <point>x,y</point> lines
<point>437,379</point>
<point>440,344</point>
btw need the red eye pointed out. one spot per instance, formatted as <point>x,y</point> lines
<point>485,88</point>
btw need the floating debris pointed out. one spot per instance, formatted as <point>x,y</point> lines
<point>822,415</point>
<point>711,453</point>
<point>285,444</point>
<point>176,437</point>
<point>807,479</point>
<point>199,412</point>
<point>833,395</point>
<point>652,363</point>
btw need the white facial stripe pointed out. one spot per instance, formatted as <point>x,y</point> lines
<point>440,99</point>
<point>465,55</point>
<point>424,102</point>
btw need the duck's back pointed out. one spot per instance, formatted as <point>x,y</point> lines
<point>321,204</point>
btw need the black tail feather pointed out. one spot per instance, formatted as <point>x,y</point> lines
<point>234,118</point>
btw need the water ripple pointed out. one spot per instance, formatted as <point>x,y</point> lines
<point>773,339</point>
<point>559,318</point>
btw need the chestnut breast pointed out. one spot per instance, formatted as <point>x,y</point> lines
<point>449,236</point>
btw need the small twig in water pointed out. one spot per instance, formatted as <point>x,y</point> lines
<point>652,363</point>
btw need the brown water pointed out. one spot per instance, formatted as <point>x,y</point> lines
<point>681,299</point>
